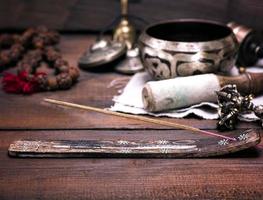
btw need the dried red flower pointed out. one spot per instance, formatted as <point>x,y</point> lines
<point>22,83</point>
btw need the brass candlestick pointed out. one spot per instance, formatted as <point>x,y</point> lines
<point>125,31</point>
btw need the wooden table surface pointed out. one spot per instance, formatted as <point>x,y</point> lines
<point>236,176</point>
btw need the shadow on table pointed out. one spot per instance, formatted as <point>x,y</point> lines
<point>253,152</point>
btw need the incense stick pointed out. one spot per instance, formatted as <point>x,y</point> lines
<point>136,117</point>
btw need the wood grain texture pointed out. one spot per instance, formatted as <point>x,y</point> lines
<point>88,15</point>
<point>189,148</point>
<point>237,176</point>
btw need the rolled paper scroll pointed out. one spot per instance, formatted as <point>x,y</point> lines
<point>185,91</point>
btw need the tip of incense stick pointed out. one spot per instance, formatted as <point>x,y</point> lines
<point>218,135</point>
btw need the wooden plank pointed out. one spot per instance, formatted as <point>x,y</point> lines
<point>129,179</point>
<point>237,176</point>
<point>94,15</point>
<point>234,177</point>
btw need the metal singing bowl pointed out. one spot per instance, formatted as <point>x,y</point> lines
<point>187,47</point>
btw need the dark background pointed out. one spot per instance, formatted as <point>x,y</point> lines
<point>92,15</point>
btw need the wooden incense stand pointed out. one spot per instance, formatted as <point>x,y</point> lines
<point>127,148</point>
<point>211,146</point>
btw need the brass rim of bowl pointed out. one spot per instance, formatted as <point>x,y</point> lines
<point>229,41</point>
